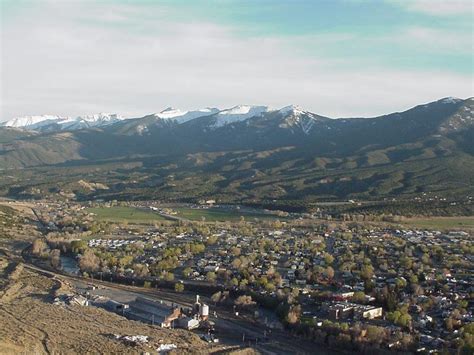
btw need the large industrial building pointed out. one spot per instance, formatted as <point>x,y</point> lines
<point>160,313</point>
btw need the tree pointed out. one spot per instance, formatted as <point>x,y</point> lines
<point>140,270</point>
<point>78,246</point>
<point>187,272</point>
<point>391,300</point>
<point>179,287</point>
<point>467,337</point>
<point>294,314</point>
<point>243,284</point>
<point>401,318</point>
<point>270,287</point>
<point>211,240</point>
<point>147,284</point>
<point>235,251</point>
<point>329,272</point>
<point>394,316</point>
<point>358,297</point>
<point>211,276</point>
<point>244,301</point>
<point>375,334</point>
<point>404,320</point>
<point>216,297</point>
<point>236,263</point>
<point>400,283</point>
<point>55,258</point>
<point>89,262</point>
<point>328,259</point>
<point>39,247</point>
<point>367,271</point>
<point>168,276</point>
<point>449,323</point>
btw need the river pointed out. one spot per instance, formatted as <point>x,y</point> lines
<point>69,265</point>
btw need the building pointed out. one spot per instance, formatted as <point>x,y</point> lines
<point>346,310</point>
<point>188,323</point>
<point>115,306</point>
<point>340,311</point>
<point>201,309</point>
<point>153,312</point>
<point>367,312</point>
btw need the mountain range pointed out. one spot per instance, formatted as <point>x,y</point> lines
<point>246,153</point>
<point>47,123</point>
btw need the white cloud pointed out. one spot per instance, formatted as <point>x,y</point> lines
<point>437,7</point>
<point>440,39</point>
<point>54,62</point>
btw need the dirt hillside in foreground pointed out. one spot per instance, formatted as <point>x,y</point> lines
<point>30,323</point>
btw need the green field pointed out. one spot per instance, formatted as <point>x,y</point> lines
<point>442,223</point>
<point>214,214</point>
<point>125,214</point>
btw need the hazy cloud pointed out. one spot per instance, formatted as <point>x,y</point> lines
<point>437,7</point>
<point>73,58</point>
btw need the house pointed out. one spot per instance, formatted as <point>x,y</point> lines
<point>211,268</point>
<point>301,283</point>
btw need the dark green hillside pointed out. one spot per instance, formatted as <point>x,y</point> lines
<point>425,150</point>
<point>8,134</point>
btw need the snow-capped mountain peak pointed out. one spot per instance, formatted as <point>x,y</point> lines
<point>170,112</point>
<point>239,113</point>
<point>295,116</point>
<point>101,117</point>
<point>180,116</point>
<point>52,122</point>
<point>28,121</point>
<point>291,109</point>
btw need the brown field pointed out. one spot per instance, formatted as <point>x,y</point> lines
<point>442,223</point>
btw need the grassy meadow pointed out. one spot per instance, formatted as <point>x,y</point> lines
<point>125,214</point>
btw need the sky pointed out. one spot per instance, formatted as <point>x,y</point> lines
<point>340,58</point>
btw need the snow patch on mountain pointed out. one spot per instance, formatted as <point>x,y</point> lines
<point>239,113</point>
<point>295,116</point>
<point>183,116</point>
<point>450,100</point>
<point>63,123</point>
<point>291,110</point>
<point>100,118</point>
<point>27,121</point>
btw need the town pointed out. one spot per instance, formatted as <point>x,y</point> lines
<point>332,281</point>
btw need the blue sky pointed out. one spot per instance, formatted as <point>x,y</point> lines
<point>334,57</point>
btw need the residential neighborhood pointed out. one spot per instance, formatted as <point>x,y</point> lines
<point>397,287</point>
